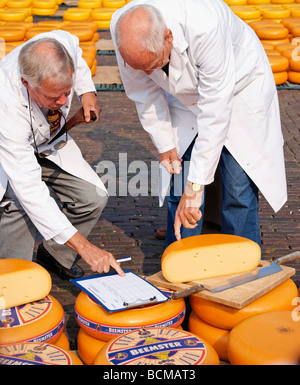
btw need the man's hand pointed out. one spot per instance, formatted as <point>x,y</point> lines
<point>90,103</point>
<point>99,260</point>
<point>170,161</point>
<point>188,212</point>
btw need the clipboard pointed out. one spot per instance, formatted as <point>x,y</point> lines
<point>116,293</point>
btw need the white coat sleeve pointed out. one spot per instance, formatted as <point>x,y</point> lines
<point>216,70</point>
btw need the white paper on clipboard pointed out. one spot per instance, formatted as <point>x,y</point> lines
<point>117,293</point>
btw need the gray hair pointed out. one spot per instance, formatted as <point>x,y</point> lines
<point>38,64</point>
<point>152,39</point>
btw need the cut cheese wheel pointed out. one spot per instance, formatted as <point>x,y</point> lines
<point>266,339</point>
<point>280,77</point>
<point>62,342</point>
<point>218,338</point>
<point>37,321</point>
<point>278,63</point>
<point>294,77</point>
<point>99,323</point>
<point>226,317</point>
<point>271,33</point>
<point>295,63</point>
<point>209,255</point>
<point>21,282</point>
<point>157,346</point>
<point>32,353</point>
<point>88,346</point>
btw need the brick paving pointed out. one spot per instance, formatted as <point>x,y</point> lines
<point>128,223</point>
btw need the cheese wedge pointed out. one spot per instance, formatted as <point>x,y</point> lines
<point>209,255</point>
<point>21,282</point>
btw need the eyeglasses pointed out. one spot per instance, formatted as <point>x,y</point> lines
<point>57,146</point>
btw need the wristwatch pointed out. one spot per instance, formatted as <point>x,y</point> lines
<point>196,187</point>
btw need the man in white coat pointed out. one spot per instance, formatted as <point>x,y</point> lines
<point>36,77</point>
<point>205,93</point>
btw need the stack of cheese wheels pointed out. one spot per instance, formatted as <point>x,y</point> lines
<point>270,338</point>
<point>44,7</point>
<point>27,311</point>
<point>214,321</point>
<point>77,14</point>
<point>102,325</point>
<point>33,353</point>
<point>157,346</point>
<point>102,16</point>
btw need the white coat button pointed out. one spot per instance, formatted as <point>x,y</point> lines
<point>248,163</point>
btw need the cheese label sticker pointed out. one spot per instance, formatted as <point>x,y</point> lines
<point>156,346</point>
<point>25,314</point>
<point>33,354</point>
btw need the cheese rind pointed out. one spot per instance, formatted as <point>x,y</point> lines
<point>207,256</point>
<point>21,282</point>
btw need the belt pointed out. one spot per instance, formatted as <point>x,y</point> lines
<point>77,118</point>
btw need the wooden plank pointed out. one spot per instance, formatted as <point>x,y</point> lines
<point>237,297</point>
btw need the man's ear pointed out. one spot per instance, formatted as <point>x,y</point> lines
<point>25,82</point>
<point>169,36</point>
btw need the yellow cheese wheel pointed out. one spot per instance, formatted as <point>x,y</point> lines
<point>12,15</point>
<point>44,4</point>
<point>36,321</point>
<point>295,63</point>
<point>276,13</point>
<point>55,24</point>
<point>280,77</point>
<point>235,2</point>
<point>259,2</point>
<point>18,3</point>
<point>77,14</point>
<point>62,342</point>
<point>88,59</point>
<point>88,346</point>
<point>22,281</point>
<point>36,31</point>
<point>44,11</point>
<point>32,353</point>
<point>278,63</point>
<point>113,3</point>
<point>218,338</point>
<point>295,12</point>
<point>262,23</point>
<point>87,49</point>
<point>83,33</point>
<point>89,4</point>
<point>22,24</point>
<point>266,339</point>
<point>94,68</point>
<point>226,317</point>
<point>99,323</point>
<point>248,14</point>
<point>209,255</point>
<point>294,77</point>
<point>12,34</point>
<point>103,24</point>
<point>90,24</point>
<point>272,33</point>
<point>102,14</point>
<point>157,346</point>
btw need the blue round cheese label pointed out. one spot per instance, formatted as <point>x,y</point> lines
<point>156,346</point>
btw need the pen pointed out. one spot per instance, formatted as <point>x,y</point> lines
<point>124,259</point>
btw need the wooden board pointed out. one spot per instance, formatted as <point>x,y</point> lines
<point>237,297</point>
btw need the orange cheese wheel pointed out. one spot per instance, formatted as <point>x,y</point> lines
<point>98,322</point>
<point>282,47</point>
<point>287,20</point>
<point>76,14</point>
<point>218,338</point>
<point>12,34</point>
<point>37,321</point>
<point>36,31</point>
<point>22,281</point>
<point>293,24</point>
<point>54,24</point>
<point>278,63</point>
<point>157,346</point>
<point>83,33</point>
<point>272,33</point>
<point>280,77</point>
<point>226,317</point>
<point>44,11</point>
<point>267,46</point>
<point>33,353</point>
<point>90,24</point>
<point>88,346</point>
<point>94,68</point>
<point>103,14</point>
<point>294,77</point>
<point>262,24</point>
<point>62,342</point>
<point>113,3</point>
<point>266,339</point>
<point>295,63</point>
<point>22,24</point>
<point>288,53</point>
<point>275,42</point>
<point>275,13</point>
<point>272,52</point>
<point>296,31</point>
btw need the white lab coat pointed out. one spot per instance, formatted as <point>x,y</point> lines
<point>220,86</point>
<point>18,164</point>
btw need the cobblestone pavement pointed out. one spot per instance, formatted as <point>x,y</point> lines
<point>127,225</point>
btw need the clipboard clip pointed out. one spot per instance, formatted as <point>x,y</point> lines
<point>140,303</point>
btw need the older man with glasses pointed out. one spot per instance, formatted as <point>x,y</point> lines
<point>205,93</point>
<point>45,184</point>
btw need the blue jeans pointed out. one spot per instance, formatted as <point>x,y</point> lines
<point>239,202</point>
